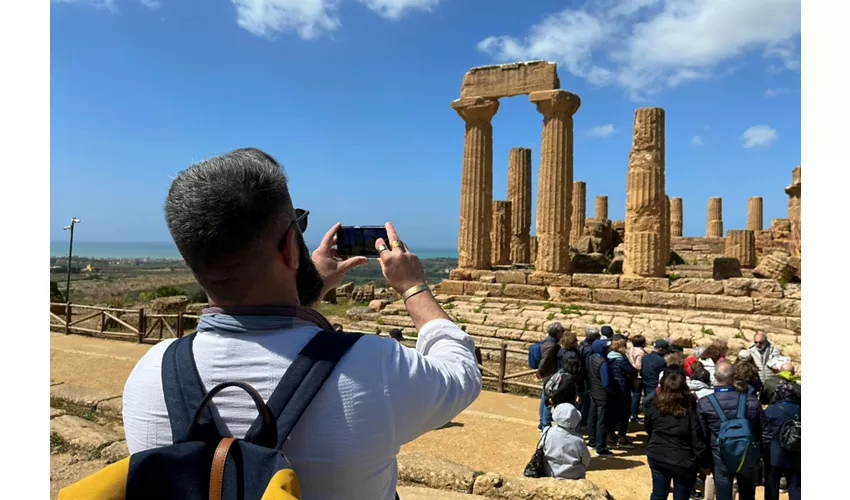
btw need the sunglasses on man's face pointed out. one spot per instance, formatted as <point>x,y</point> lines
<point>300,221</point>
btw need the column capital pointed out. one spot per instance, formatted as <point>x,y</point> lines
<point>476,109</point>
<point>555,102</point>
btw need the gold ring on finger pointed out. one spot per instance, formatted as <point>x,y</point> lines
<point>397,244</point>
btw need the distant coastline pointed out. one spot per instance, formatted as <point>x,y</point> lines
<point>166,250</point>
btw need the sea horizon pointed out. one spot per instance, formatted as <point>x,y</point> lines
<point>167,250</point>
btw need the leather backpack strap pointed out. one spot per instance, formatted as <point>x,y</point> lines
<point>182,386</point>
<point>217,470</point>
<point>303,380</point>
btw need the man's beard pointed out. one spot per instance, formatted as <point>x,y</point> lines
<point>307,279</point>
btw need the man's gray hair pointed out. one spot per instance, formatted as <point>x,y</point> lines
<point>724,372</point>
<point>555,329</point>
<point>227,214</point>
<point>592,329</point>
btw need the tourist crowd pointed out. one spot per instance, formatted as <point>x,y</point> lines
<point>713,426</point>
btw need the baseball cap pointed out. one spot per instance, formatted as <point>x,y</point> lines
<point>661,344</point>
<point>607,331</point>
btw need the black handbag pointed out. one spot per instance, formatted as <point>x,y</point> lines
<point>534,468</point>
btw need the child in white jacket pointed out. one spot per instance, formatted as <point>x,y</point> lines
<point>567,456</point>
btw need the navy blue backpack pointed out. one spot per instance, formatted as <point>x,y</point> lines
<point>535,353</point>
<point>738,449</point>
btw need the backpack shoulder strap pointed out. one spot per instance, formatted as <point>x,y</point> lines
<point>182,386</point>
<point>713,400</point>
<point>742,406</point>
<point>303,380</point>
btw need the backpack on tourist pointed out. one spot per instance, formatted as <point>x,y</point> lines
<point>202,464</point>
<point>789,433</point>
<point>738,449</point>
<point>559,385</point>
<point>535,353</point>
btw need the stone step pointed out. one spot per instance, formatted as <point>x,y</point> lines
<point>81,400</point>
<point>82,434</point>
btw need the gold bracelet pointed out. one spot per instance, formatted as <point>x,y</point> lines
<point>414,290</point>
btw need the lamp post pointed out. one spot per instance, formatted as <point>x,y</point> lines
<point>74,220</point>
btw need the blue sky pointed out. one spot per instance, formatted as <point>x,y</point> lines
<point>352,97</point>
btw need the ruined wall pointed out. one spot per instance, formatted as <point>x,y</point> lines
<point>505,80</point>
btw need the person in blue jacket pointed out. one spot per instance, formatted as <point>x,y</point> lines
<point>602,402</point>
<point>624,375</point>
<point>782,461</point>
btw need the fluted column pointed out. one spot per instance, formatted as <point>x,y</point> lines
<point>646,202</point>
<point>794,209</point>
<point>667,241</point>
<point>501,233</point>
<point>579,203</point>
<point>676,219</point>
<point>519,194</point>
<point>741,245</point>
<point>532,248</point>
<point>755,213</point>
<point>555,179</point>
<point>714,222</point>
<point>601,210</point>
<point>476,192</point>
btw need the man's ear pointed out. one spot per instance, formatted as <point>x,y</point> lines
<point>291,250</point>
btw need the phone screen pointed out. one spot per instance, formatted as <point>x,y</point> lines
<point>354,241</point>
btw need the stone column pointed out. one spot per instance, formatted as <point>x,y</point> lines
<point>532,248</point>
<point>555,179</point>
<point>519,194</point>
<point>714,224</point>
<point>476,191</point>
<point>601,211</point>
<point>579,212</point>
<point>676,219</point>
<point>646,203</point>
<point>741,245</point>
<point>794,210</point>
<point>501,233</point>
<point>667,240</point>
<point>755,213</point>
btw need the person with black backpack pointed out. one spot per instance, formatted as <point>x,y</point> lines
<point>732,422</point>
<point>782,436</point>
<point>549,348</point>
<point>592,334</point>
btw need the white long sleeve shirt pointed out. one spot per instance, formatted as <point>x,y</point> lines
<point>380,396</point>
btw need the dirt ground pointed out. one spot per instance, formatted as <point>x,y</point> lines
<point>497,433</point>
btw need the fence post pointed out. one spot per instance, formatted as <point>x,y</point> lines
<point>102,321</point>
<point>179,324</point>
<point>68,318</point>
<point>142,325</point>
<point>503,359</point>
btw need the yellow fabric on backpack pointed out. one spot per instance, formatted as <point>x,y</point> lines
<point>109,483</point>
<point>283,486</point>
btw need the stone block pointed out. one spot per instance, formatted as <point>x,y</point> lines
<point>460,274</point>
<point>483,330</point>
<point>490,278</point>
<point>596,280</point>
<point>115,452</point>
<point>451,287</point>
<point>82,433</point>
<point>517,322</point>
<point>668,299</point>
<point>505,80</point>
<point>509,333</point>
<point>701,320</point>
<point>697,285</point>
<point>659,326</point>
<point>434,472</point>
<point>54,412</point>
<point>569,294</point>
<point>80,397</point>
<point>793,291</point>
<point>524,488</point>
<point>645,284</point>
<point>112,408</point>
<point>794,324</point>
<point>472,287</point>
<point>545,278</point>
<point>685,329</point>
<point>758,322</point>
<point>470,317</point>
<point>536,314</point>
<point>397,320</point>
<point>725,268</point>
<point>531,292</point>
<point>605,296</point>
<point>775,266</point>
<point>534,336</point>
<point>517,277</point>
<point>378,305</point>
<point>777,307</point>
<point>723,303</point>
<point>751,287</point>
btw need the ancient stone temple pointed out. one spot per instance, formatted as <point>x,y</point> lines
<point>646,202</point>
<point>755,213</point>
<point>532,248</point>
<point>714,222</point>
<point>741,245</point>
<point>601,210</point>
<point>676,220</point>
<point>555,179</point>
<point>501,238</point>
<point>667,237</point>
<point>476,192</point>
<point>519,194</point>
<point>579,215</point>
<point>793,192</point>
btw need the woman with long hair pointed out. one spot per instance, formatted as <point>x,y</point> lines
<point>676,450</point>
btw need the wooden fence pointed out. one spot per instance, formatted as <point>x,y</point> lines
<point>500,376</point>
<point>148,328</point>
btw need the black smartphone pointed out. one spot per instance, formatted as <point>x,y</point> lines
<point>356,241</point>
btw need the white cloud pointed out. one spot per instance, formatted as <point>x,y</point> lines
<point>696,140</point>
<point>602,130</point>
<point>647,45</point>
<point>395,9</point>
<point>110,5</point>
<point>308,18</point>
<point>151,4</point>
<point>776,92</point>
<point>759,135</point>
